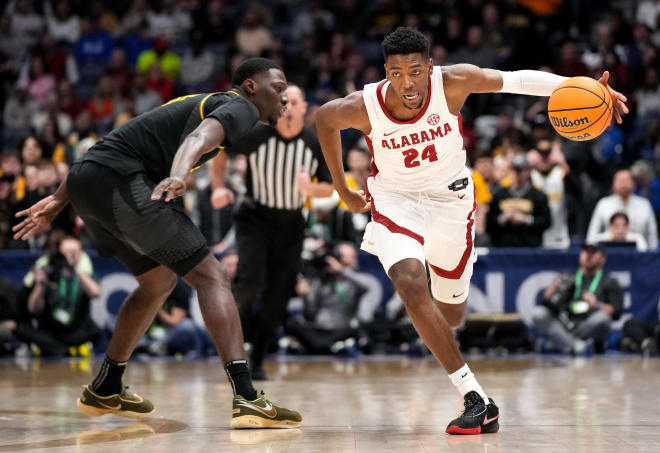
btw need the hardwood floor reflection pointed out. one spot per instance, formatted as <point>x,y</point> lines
<point>605,404</point>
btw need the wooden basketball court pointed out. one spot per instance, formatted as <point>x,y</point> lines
<point>551,404</point>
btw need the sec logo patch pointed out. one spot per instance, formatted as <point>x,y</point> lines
<point>433,119</point>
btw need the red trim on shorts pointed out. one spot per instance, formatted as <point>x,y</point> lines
<point>456,273</point>
<point>393,227</point>
<point>381,101</point>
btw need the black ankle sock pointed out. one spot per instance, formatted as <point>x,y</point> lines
<point>240,379</point>
<point>108,381</point>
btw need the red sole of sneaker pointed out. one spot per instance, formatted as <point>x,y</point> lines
<point>470,431</point>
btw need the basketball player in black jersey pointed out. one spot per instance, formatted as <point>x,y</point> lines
<point>126,189</point>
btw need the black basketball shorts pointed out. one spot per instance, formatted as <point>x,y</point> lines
<point>125,223</point>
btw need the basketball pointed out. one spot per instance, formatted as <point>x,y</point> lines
<point>580,109</point>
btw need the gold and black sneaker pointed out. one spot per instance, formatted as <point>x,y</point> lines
<point>261,413</point>
<point>125,404</point>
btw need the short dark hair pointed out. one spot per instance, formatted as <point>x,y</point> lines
<point>251,67</point>
<point>404,41</point>
<point>616,215</point>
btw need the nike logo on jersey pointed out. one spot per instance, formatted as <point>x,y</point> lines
<point>269,411</point>
<point>460,197</point>
<point>463,375</point>
<point>458,295</point>
<point>393,132</point>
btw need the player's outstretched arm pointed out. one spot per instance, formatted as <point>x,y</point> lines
<point>461,80</point>
<point>205,138</point>
<point>332,117</point>
<point>39,216</point>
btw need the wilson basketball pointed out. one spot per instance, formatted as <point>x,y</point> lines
<point>580,108</point>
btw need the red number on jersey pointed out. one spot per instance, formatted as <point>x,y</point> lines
<point>411,158</point>
<point>411,154</point>
<point>429,153</point>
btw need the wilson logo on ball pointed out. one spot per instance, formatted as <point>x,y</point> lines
<point>565,122</point>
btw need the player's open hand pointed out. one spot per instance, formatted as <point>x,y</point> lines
<point>38,217</point>
<point>618,99</point>
<point>173,187</point>
<point>356,200</point>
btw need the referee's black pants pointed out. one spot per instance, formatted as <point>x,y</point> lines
<point>269,246</point>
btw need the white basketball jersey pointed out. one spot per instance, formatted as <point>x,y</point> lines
<point>422,154</point>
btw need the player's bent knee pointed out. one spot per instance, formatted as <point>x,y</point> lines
<point>453,313</point>
<point>209,272</point>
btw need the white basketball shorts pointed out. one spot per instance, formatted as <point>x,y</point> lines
<point>436,227</point>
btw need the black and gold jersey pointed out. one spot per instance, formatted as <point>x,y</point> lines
<point>149,142</point>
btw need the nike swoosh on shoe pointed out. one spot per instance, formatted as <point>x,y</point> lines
<point>488,420</point>
<point>269,411</point>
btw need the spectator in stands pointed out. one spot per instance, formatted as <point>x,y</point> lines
<point>577,309</point>
<point>57,61</point>
<point>198,66</point>
<point>134,18</point>
<point>336,303</point>
<point>358,161</point>
<point>38,83</point>
<point>61,290</point>
<point>68,102</point>
<point>120,72</point>
<point>103,105</point>
<point>8,315</point>
<point>51,116</point>
<point>62,24</point>
<point>18,111</point>
<point>477,51</point>
<point>169,63</point>
<point>31,151</point>
<point>569,63</point>
<point>216,25</point>
<point>144,98</point>
<point>159,83</point>
<point>329,222</point>
<point>137,41</point>
<point>638,209</point>
<point>482,175</point>
<point>647,13</point>
<point>253,37</point>
<point>172,20</point>
<point>519,214</point>
<point>549,176</point>
<point>619,231</point>
<point>94,47</point>
<point>26,24</point>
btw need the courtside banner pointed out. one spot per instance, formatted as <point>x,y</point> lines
<point>504,280</point>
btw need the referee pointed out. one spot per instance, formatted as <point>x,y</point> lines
<point>269,224</point>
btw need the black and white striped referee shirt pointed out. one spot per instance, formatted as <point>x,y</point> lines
<point>274,162</point>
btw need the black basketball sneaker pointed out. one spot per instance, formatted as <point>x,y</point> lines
<point>477,418</point>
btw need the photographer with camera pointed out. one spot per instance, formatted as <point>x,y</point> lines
<point>61,288</point>
<point>577,309</point>
<point>337,302</point>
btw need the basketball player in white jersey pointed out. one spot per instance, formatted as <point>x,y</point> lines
<point>421,194</point>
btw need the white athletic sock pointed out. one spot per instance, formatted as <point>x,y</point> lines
<point>465,382</point>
